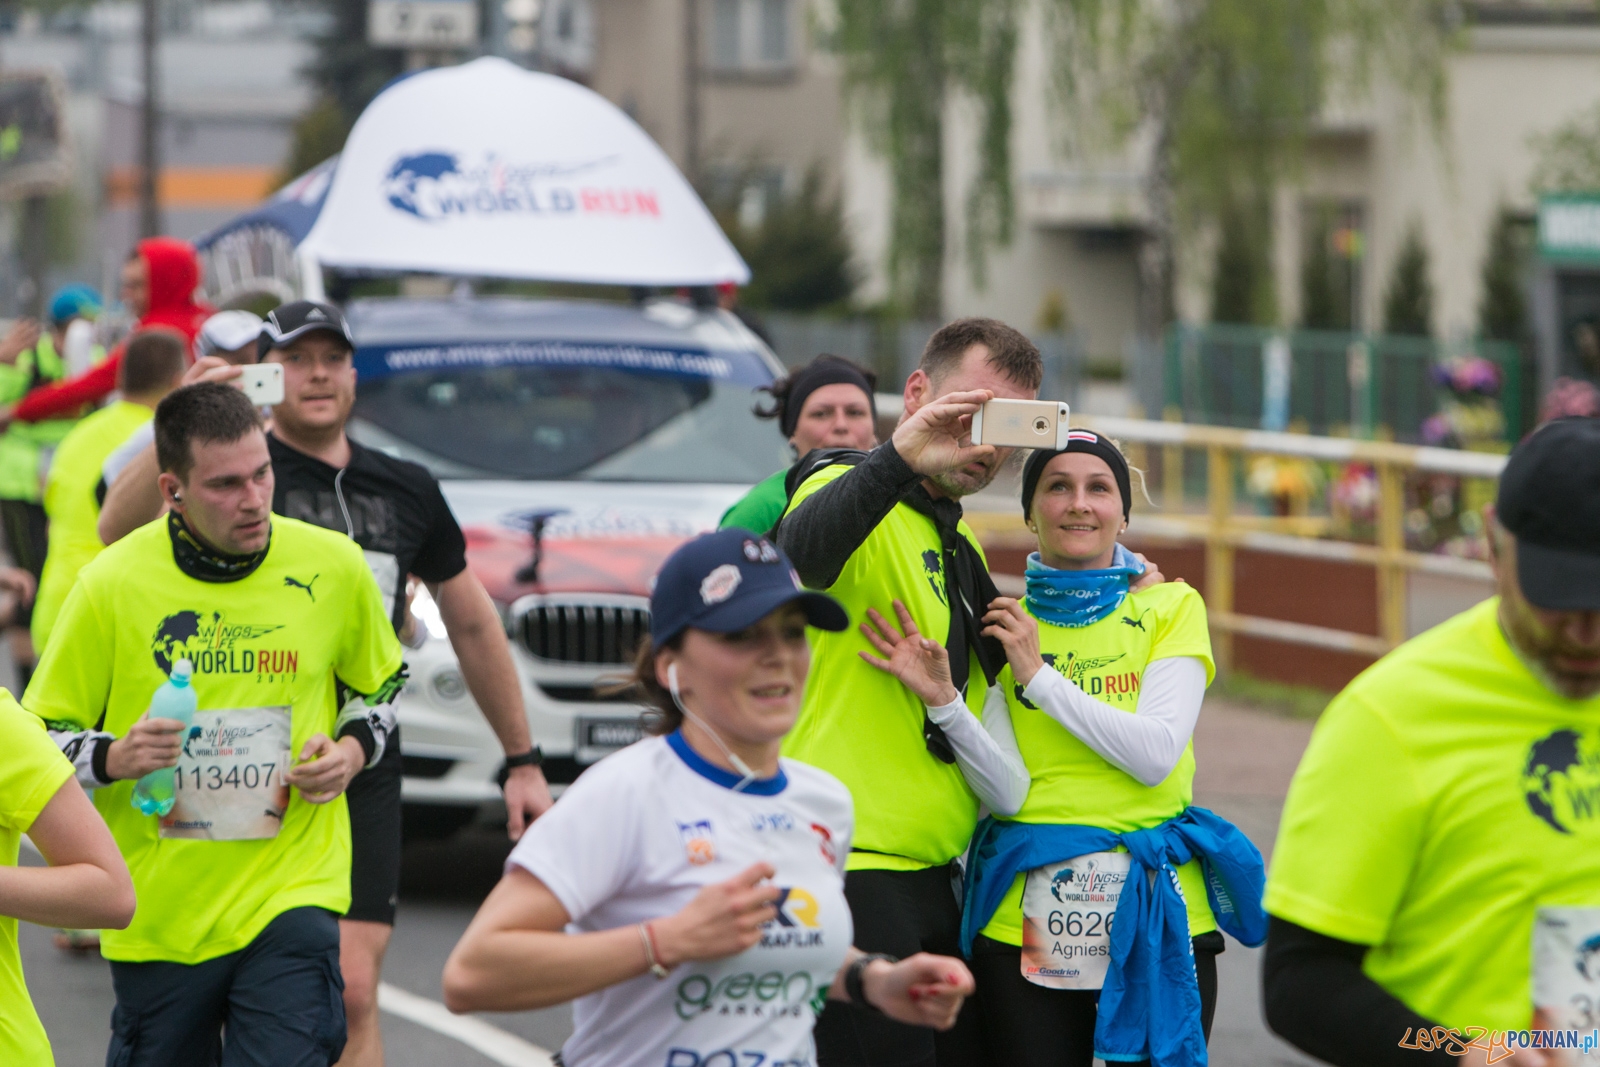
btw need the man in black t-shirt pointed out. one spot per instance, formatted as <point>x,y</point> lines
<point>396,512</point>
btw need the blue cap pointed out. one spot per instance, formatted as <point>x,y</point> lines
<point>728,580</point>
<point>74,301</point>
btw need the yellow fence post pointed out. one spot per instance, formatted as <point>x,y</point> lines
<point>1172,470</point>
<point>1391,547</point>
<point>1219,551</point>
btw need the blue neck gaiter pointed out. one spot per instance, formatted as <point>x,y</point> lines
<point>1079,598</point>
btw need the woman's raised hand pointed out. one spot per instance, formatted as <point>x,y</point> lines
<point>722,920</point>
<point>921,664</point>
<point>923,990</point>
<point>1018,633</point>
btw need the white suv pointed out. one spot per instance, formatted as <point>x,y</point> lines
<point>578,444</point>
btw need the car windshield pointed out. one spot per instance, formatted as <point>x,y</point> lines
<point>594,423</point>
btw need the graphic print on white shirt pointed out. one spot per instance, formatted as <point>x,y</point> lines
<point>635,838</point>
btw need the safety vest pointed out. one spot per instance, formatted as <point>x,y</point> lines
<point>26,447</point>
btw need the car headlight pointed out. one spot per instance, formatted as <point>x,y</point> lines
<point>448,684</point>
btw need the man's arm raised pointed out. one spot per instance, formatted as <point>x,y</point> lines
<point>820,534</point>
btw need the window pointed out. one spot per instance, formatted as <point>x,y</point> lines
<point>725,34</point>
<point>751,36</point>
<point>774,31</point>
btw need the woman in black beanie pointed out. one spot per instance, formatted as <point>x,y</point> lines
<point>827,403</point>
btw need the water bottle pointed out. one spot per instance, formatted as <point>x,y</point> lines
<point>154,794</point>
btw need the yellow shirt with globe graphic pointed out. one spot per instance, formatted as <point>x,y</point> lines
<point>1446,797</point>
<point>308,616</point>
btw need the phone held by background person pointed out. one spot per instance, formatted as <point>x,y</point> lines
<point>262,383</point>
<point>1021,424</point>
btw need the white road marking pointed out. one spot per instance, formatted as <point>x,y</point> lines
<point>508,1050</point>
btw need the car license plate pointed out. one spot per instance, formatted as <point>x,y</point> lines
<point>609,734</point>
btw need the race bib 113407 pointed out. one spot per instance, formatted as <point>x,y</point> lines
<point>229,778</point>
<point>1067,912</point>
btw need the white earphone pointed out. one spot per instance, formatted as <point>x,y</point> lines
<point>738,764</point>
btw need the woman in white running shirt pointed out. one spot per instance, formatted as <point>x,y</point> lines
<point>687,892</point>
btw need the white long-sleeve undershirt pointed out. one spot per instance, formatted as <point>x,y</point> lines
<point>986,752</point>
<point>1146,744</point>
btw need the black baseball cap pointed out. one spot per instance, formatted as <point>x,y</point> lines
<point>298,318</point>
<point>728,580</point>
<point>1550,500</point>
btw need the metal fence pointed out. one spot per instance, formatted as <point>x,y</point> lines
<point>1165,449</point>
<point>892,347</point>
<point>1364,385</point>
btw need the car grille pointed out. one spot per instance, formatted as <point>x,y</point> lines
<point>583,633</point>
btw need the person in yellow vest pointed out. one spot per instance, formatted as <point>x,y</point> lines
<point>30,358</point>
<point>152,366</point>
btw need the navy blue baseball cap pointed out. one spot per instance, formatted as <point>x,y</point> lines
<point>728,580</point>
<point>1550,499</point>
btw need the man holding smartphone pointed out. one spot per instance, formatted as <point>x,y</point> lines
<point>889,528</point>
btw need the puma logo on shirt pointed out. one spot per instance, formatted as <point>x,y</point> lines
<point>298,584</point>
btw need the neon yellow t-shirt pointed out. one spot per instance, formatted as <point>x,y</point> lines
<point>1446,795</point>
<point>23,443</point>
<point>1072,784</point>
<point>865,728</point>
<point>261,641</point>
<point>31,772</point>
<point>74,512</point>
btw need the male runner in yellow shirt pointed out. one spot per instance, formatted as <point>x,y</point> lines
<point>236,941</point>
<point>1438,863</point>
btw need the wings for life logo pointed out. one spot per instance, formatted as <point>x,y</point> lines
<point>439,185</point>
<point>1561,779</point>
<point>215,644</point>
<point>699,843</point>
<point>1086,882</point>
<point>1076,669</point>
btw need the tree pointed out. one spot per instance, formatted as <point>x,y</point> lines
<point>1330,251</point>
<point>347,72</point>
<point>903,61</point>
<point>799,254</point>
<point>1241,283</point>
<point>1229,93</point>
<point>1408,302</point>
<point>1567,159</point>
<point>1502,310</point>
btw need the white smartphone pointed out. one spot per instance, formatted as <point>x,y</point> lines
<point>1021,424</point>
<point>262,383</point>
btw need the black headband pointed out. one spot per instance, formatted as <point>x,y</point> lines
<point>1078,441</point>
<point>824,370</point>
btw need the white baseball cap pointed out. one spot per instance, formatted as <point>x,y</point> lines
<point>228,330</point>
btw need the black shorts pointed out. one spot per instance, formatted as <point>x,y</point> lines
<point>1027,1025</point>
<point>27,536</point>
<point>374,799</point>
<point>901,913</point>
<point>278,1000</point>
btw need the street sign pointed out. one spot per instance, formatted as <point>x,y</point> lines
<point>422,23</point>
<point>1569,228</point>
<point>34,154</point>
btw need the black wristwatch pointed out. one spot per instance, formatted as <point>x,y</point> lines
<point>852,979</point>
<point>531,758</point>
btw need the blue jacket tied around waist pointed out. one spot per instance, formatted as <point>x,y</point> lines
<point>1150,1005</point>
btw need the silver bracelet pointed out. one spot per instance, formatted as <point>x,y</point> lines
<point>649,942</point>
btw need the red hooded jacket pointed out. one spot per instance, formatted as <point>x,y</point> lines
<point>173,272</point>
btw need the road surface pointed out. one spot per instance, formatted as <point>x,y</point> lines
<point>1245,759</point>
